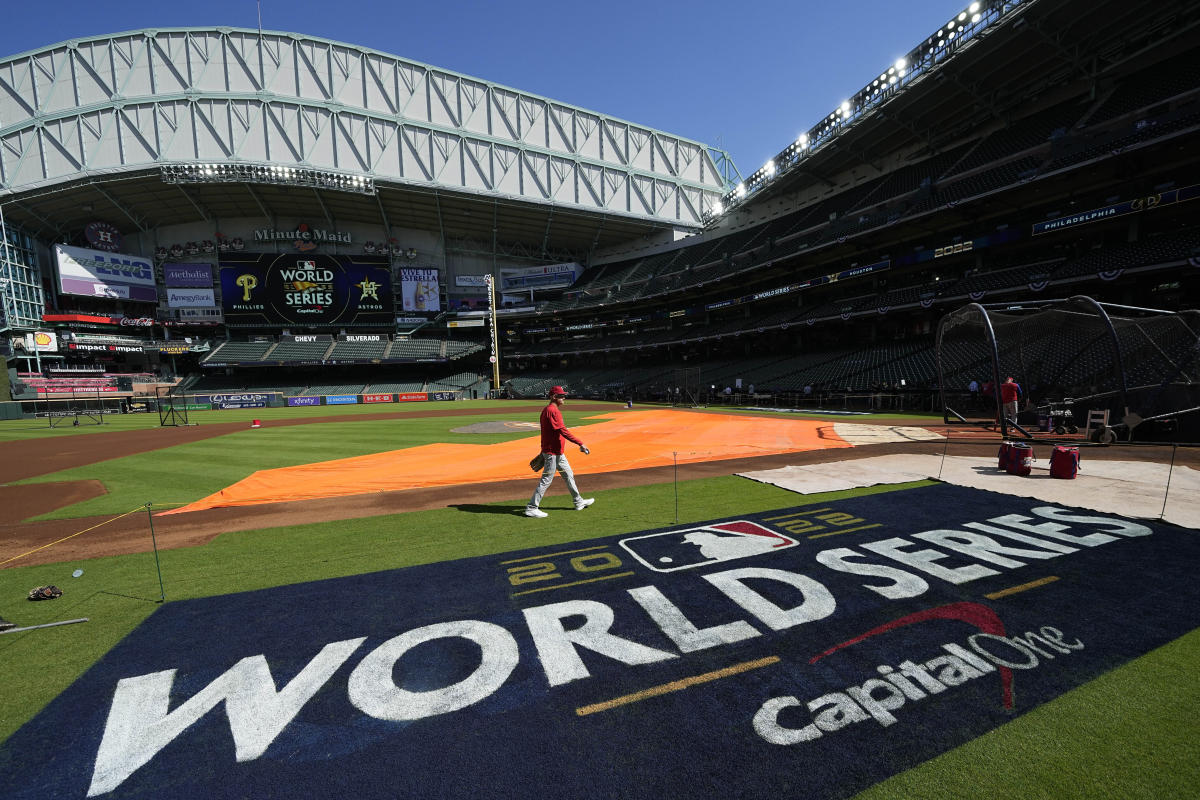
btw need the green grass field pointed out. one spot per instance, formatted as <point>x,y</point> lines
<point>1133,733</point>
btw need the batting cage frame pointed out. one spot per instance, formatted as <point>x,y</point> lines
<point>172,407</point>
<point>1077,362</point>
<point>90,406</point>
<point>686,384</point>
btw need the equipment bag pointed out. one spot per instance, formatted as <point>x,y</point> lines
<point>1005,456</point>
<point>1064,462</point>
<point>1020,461</point>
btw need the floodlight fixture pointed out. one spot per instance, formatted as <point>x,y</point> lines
<point>974,8</point>
<point>769,168</point>
<point>268,174</point>
<point>740,191</point>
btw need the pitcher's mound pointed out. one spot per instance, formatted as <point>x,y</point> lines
<point>505,426</point>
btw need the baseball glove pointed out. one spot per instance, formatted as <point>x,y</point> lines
<point>538,462</point>
<point>45,593</point>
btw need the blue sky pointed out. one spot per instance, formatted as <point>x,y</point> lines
<point>744,76</point>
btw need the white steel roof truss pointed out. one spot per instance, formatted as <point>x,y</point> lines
<point>474,97</point>
<point>446,151</point>
<point>560,137</point>
<point>531,116</point>
<point>132,120</point>
<point>508,169</point>
<point>418,140</point>
<point>218,133</point>
<point>377,89</point>
<point>503,109</point>
<point>385,137</point>
<point>162,67</point>
<point>316,126</point>
<point>246,65</point>
<point>479,155</point>
<point>286,129</point>
<point>210,94</point>
<point>351,130</point>
<point>443,101</point>
<point>245,117</point>
<point>537,166</point>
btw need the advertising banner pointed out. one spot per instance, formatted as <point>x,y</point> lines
<point>378,398</point>
<point>191,298</point>
<point>551,276</point>
<point>304,401</point>
<point>341,399</point>
<point>246,404</point>
<point>218,399</point>
<point>187,275</point>
<point>41,342</point>
<point>95,273</point>
<point>419,289</point>
<point>442,395</point>
<point>306,289</point>
<point>412,397</point>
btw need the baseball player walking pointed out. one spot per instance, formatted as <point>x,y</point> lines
<point>553,433</point>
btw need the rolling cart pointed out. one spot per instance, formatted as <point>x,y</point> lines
<point>1056,416</point>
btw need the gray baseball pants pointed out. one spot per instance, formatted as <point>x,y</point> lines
<point>553,463</point>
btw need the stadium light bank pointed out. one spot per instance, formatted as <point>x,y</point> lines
<point>207,172</point>
<point>934,52</point>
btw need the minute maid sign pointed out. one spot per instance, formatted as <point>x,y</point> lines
<point>814,650</point>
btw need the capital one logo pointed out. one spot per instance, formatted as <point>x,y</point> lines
<point>687,548</point>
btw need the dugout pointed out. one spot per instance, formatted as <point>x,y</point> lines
<point>1137,367</point>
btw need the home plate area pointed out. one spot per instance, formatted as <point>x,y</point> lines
<point>811,651</point>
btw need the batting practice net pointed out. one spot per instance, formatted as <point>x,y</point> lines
<point>1104,368</point>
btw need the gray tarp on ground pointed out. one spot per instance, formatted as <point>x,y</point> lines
<point>1127,488</point>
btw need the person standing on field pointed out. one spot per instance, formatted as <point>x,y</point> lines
<point>553,434</point>
<point>1010,394</point>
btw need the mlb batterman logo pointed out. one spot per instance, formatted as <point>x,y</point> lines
<point>672,551</point>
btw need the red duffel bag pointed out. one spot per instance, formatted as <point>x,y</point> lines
<point>1020,459</point>
<point>1064,462</point>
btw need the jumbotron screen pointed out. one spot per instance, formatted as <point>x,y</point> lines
<point>306,289</point>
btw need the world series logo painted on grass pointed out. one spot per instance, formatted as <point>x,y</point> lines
<point>903,624</point>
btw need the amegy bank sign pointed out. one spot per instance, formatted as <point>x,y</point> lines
<point>735,651</point>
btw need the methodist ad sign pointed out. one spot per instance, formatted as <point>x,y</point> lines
<point>306,289</point>
<point>185,275</point>
<point>95,273</point>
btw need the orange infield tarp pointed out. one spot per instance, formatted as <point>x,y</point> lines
<point>625,440</point>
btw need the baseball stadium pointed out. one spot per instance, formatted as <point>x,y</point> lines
<point>279,316</point>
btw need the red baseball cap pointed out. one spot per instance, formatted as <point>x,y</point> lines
<point>557,390</point>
